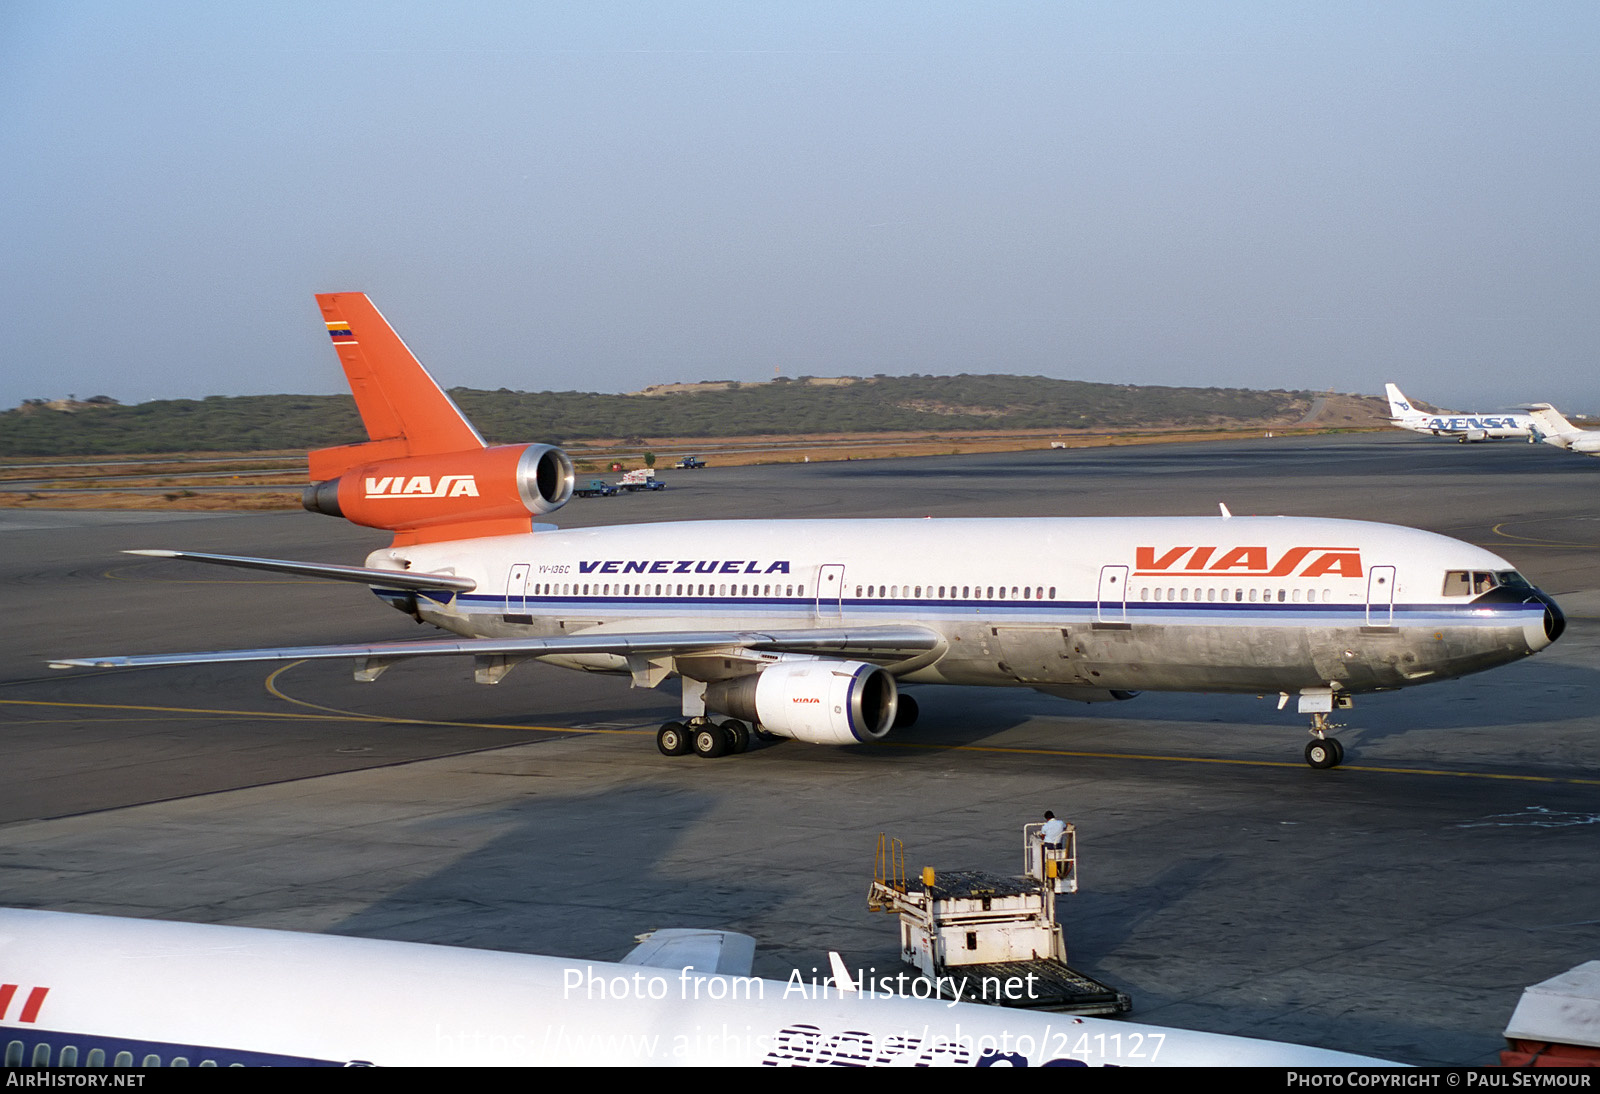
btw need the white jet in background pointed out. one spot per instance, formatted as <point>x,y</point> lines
<point>1464,427</point>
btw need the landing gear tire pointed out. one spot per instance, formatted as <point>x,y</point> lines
<point>738,736</point>
<point>1325,753</point>
<point>710,742</point>
<point>905,713</point>
<point>672,739</point>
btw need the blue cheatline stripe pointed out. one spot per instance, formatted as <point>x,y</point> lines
<point>1044,612</point>
<point>165,1051</point>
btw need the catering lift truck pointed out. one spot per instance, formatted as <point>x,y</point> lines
<point>984,938</point>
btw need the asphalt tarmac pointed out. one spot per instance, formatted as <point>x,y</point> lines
<point>1395,906</point>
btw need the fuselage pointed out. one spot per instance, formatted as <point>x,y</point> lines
<point>1244,604</point>
<point>97,991</point>
<point>1489,427</point>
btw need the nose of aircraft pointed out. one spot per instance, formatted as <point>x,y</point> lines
<point>1549,629</point>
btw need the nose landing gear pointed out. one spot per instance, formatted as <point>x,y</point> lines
<point>1322,751</point>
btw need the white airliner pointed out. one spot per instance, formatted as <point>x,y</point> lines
<point>98,991</point>
<point>1494,426</point>
<point>808,628</point>
<point>1552,427</point>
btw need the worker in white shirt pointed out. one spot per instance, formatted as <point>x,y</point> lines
<point>1052,831</point>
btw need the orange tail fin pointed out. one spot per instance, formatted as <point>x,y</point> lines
<point>405,411</point>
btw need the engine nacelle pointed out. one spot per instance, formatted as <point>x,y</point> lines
<point>822,702</point>
<point>495,490</point>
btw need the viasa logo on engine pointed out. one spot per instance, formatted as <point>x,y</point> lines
<point>1248,561</point>
<point>422,486</point>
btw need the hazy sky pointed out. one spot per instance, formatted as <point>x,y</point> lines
<point>601,195</point>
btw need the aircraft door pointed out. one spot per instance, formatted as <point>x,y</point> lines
<point>830,591</point>
<point>517,589</point>
<point>1111,606</point>
<point>1380,596</point>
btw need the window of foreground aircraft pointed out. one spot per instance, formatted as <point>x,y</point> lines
<point>1477,582</point>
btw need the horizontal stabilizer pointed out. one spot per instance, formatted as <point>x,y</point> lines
<point>714,953</point>
<point>861,642</point>
<point>388,579</point>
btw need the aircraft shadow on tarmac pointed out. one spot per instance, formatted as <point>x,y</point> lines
<point>577,874</point>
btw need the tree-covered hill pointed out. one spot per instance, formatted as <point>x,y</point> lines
<point>910,404</point>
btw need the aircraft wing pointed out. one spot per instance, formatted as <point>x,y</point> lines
<point>389,579</point>
<point>715,953</point>
<point>890,641</point>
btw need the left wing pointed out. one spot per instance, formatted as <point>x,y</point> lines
<point>873,642</point>
<point>389,579</point>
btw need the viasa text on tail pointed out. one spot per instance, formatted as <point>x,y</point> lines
<point>809,629</point>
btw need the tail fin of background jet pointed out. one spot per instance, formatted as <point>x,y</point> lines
<point>1400,407</point>
<point>405,411</point>
<point>1549,424</point>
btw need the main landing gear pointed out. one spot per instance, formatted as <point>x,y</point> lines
<point>703,737</point>
<point>1322,751</point>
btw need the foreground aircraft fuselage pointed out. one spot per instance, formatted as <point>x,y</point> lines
<point>1240,604</point>
<point>807,629</point>
<point>97,991</point>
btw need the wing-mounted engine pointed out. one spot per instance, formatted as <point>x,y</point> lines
<point>478,492</point>
<point>820,702</point>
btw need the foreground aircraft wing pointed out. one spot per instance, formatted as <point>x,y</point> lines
<point>716,953</point>
<point>893,641</point>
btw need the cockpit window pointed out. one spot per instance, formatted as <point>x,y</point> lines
<point>1477,582</point>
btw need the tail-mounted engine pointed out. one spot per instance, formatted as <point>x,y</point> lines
<point>478,492</point>
<point>821,702</point>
